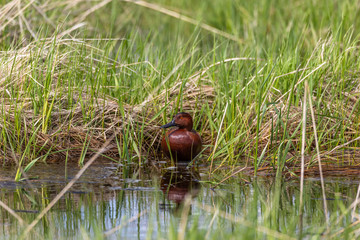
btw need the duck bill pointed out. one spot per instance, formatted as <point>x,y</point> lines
<point>170,124</point>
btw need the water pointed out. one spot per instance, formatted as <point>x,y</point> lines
<point>147,203</point>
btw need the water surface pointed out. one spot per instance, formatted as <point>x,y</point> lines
<point>148,203</point>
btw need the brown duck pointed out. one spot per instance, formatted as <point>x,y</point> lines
<point>183,143</point>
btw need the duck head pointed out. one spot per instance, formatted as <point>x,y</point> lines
<point>181,120</point>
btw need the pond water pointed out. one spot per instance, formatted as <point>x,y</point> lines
<point>122,203</point>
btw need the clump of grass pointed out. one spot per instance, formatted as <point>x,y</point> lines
<point>63,116</point>
<point>70,80</point>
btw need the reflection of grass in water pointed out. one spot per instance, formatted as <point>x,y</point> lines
<point>263,209</point>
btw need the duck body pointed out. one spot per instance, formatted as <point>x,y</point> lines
<point>182,144</point>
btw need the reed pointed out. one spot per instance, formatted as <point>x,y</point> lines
<point>68,81</point>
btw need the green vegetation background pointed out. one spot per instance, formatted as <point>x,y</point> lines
<point>72,73</point>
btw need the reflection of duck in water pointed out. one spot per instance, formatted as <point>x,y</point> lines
<point>178,183</point>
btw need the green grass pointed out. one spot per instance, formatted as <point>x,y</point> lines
<point>75,74</point>
<point>67,86</point>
